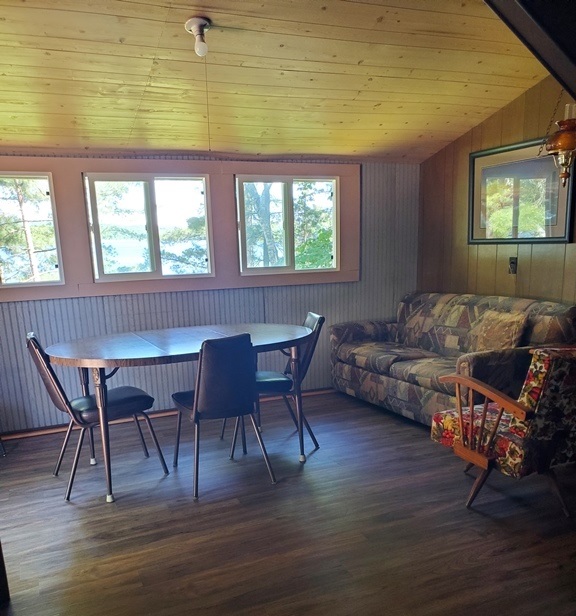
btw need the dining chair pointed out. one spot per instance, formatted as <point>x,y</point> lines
<point>534,434</point>
<point>93,461</point>
<point>281,383</point>
<point>122,402</point>
<point>225,388</point>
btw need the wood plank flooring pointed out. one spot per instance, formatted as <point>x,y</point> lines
<point>373,524</point>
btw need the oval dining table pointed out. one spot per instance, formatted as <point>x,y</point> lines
<point>109,352</point>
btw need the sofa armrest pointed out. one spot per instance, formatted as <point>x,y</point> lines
<point>360,331</point>
<point>505,369</point>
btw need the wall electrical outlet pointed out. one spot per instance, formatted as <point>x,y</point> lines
<point>512,265</point>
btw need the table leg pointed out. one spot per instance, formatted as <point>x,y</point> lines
<point>99,378</point>
<point>295,369</point>
<point>85,384</point>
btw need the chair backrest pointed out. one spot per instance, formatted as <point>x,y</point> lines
<point>314,322</point>
<point>550,391</point>
<point>53,386</point>
<point>226,378</point>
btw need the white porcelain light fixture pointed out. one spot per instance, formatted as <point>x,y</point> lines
<point>197,26</point>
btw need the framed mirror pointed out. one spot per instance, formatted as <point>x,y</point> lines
<point>516,196</point>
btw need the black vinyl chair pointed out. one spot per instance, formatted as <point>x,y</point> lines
<point>93,461</point>
<point>225,388</point>
<point>122,402</point>
<point>282,383</point>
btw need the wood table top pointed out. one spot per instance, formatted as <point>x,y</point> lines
<point>170,345</point>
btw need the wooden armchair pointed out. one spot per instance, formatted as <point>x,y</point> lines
<point>517,437</point>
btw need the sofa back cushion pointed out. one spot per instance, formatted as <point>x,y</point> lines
<point>497,330</point>
<point>550,322</point>
<point>441,322</point>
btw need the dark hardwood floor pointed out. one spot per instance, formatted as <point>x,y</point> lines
<point>373,524</point>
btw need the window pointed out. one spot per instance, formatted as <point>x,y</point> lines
<point>287,224</point>
<point>145,226</point>
<point>29,248</point>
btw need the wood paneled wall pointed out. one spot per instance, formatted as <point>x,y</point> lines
<point>446,262</point>
<point>388,271</point>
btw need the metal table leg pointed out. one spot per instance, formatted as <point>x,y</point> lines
<point>295,369</point>
<point>100,391</point>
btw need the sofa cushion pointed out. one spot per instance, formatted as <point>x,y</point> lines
<point>497,330</point>
<point>426,372</point>
<point>550,322</point>
<point>379,356</point>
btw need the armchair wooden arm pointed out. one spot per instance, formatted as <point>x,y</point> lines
<point>474,385</point>
<point>478,431</point>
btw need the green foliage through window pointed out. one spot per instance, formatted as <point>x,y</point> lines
<point>288,224</point>
<point>28,242</point>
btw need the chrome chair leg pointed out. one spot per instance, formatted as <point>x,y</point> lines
<point>63,449</point>
<point>75,463</point>
<point>156,443</point>
<point>234,438</point>
<point>142,441</point>
<point>223,429</point>
<point>263,450</point>
<point>304,421</point>
<point>93,460</point>
<point>177,444</point>
<point>196,458</point>
<point>257,413</point>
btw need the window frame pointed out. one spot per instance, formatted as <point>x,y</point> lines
<point>288,222</point>
<point>153,234</point>
<point>73,230</point>
<point>61,276</point>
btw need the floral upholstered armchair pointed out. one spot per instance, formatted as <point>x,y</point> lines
<point>517,437</point>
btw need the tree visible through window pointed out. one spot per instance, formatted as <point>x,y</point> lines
<point>28,240</point>
<point>288,224</point>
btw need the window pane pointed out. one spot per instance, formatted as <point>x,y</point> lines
<point>28,245</point>
<point>123,226</point>
<point>314,216</point>
<point>265,224</point>
<point>535,212</point>
<point>182,228</point>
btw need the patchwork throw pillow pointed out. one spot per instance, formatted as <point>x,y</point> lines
<point>497,330</point>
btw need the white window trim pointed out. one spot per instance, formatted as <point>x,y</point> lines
<point>289,231</point>
<point>152,219</point>
<point>76,262</point>
<point>47,283</point>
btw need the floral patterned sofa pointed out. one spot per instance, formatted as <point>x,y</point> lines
<point>396,363</point>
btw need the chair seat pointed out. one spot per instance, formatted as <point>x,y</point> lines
<point>121,402</point>
<point>184,399</point>
<point>269,381</point>
<point>509,455</point>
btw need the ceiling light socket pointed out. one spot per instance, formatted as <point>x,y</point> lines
<point>197,26</point>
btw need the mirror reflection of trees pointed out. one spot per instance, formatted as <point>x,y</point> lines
<point>516,207</point>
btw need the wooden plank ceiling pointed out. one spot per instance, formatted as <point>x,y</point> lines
<point>382,79</point>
